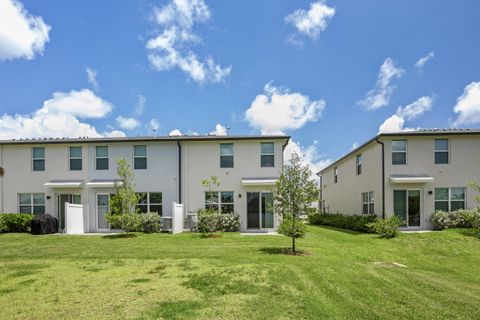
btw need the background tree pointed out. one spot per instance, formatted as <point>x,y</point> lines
<point>294,195</point>
<point>125,199</point>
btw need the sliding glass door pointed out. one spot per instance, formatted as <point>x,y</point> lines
<point>406,205</point>
<point>62,199</point>
<point>260,211</point>
<point>102,210</point>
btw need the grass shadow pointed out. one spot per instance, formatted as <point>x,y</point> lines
<point>469,232</point>
<point>348,231</point>
<point>284,251</point>
<point>120,236</point>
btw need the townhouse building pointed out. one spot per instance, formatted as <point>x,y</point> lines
<point>410,174</point>
<point>41,175</point>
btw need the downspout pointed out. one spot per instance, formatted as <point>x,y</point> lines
<point>383,177</point>
<point>179,172</point>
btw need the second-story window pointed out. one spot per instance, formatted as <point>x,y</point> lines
<point>226,155</point>
<point>399,152</point>
<point>101,158</point>
<point>75,158</point>
<point>38,158</point>
<point>441,151</point>
<point>358,162</point>
<point>335,174</point>
<point>267,154</point>
<point>140,157</point>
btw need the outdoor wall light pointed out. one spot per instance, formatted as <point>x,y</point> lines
<point>430,192</point>
<point>48,197</point>
<point>239,195</point>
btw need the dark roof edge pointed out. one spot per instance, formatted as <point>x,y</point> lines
<point>399,134</point>
<point>139,139</point>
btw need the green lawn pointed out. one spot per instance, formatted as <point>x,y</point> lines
<point>347,276</point>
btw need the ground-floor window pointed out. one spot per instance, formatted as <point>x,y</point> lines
<point>150,202</point>
<point>368,206</point>
<point>222,201</point>
<point>449,199</point>
<point>31,203</point>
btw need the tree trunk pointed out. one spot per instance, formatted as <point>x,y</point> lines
<point>294,231</point>
<point>293,244</point>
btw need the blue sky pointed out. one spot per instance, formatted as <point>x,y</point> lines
<point>310,69</point>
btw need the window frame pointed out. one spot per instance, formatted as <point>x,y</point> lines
<point>406,152</point>
<point>32,203</point>
<point>140,157</point>
<point>267,154</point>
<point>38,159</point>
<point>97,157</point>
<point>370,202</point>
<point>335,175</point>
<point>232,155</point>
<point>218,205</point>
<point>70,158</point>
<point>449,199</point>
<point>441,151</point>
<point>358,164</point>
<point>149,203</point>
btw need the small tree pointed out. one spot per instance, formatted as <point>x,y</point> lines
<point>475,187</point>
<point>294,195</point>
<point>125,199</point>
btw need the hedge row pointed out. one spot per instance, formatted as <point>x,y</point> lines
<point>338,220</point>
<point>15,222</point>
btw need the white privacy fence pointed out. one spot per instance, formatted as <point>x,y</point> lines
<point>177,217</point>
<point>74,218</point>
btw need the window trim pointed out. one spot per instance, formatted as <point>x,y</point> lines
<point>449,200</point>
<point>370,201</point>
<point>406,152</point>
<point>38,159</point>
<point>141,157</point>
<point>358,164</point>
<point>435,151</point>
<point>32,204</point>
<point>107,157</point>
<point>219,197</point>
<point>75,158</point>
<point>267,154</point>
<point>226,155</point>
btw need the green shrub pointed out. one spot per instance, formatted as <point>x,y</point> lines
<point>455,219</point>
<point>287,227</point>
<point>128,222</point>
<point>210,221</point>
<point>338,220</point>
<point>15,222</point>
<point>151,222</point>
<point>386,228</point>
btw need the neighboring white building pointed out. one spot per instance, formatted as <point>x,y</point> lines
<point>40,175</point>
<point>411,174</point>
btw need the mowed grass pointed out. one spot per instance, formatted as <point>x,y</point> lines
<point>346,276</point>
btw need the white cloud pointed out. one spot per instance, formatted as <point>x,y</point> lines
<point>92,78</point>
<point>22,35</point>
<point>277,110</point>
<point>114,133</point>
<point>154,124</point>
<point>172,47</point>
<point>309,154</point>
<point>310,23</point>
<point>422,61</point>
<point>354,146</point>
<point>380,95</point>
<point>140,105</point>
<point>127,123</point>
<point>468,106</point>
<point>175,132</point>
<point>58,117</point>
<point>219,130</point>
<point>396,122</point>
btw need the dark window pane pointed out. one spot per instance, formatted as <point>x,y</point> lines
<point>142,208</point>
<point>140,163</point>
<point>211,200</point>
<point>226,161</point>
<point>253,210</point>
<point>75,152</point>
<point>25,209</point>
<point>441,157</point>
<point>400,204</point>
<point>76,164</point>
<point>441,144</point>
<point>399,158</point>
<point>25,198</point>
<point>268,160</point>
<point>365,208</point>
<point>359,169</point>
<point>227,208</point>
<point>102,164</point>
<point>38,153</point>
<point>227,197</point>
<point>399,145</point>
<point>441,205</point>
<point>371,208</point>
<point>140,151</point>
<point>441,193</point>
<point>226,149</point>
<point>156,208</point>
<point>38,209</point>
<point>142,198</point>
<point>457,205</point>
<point>457,193</point>
<point>38,165</point>
<point>155,197</point>
<point>267,148</point>
<point>39,198</point>
<point>101,152</point>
